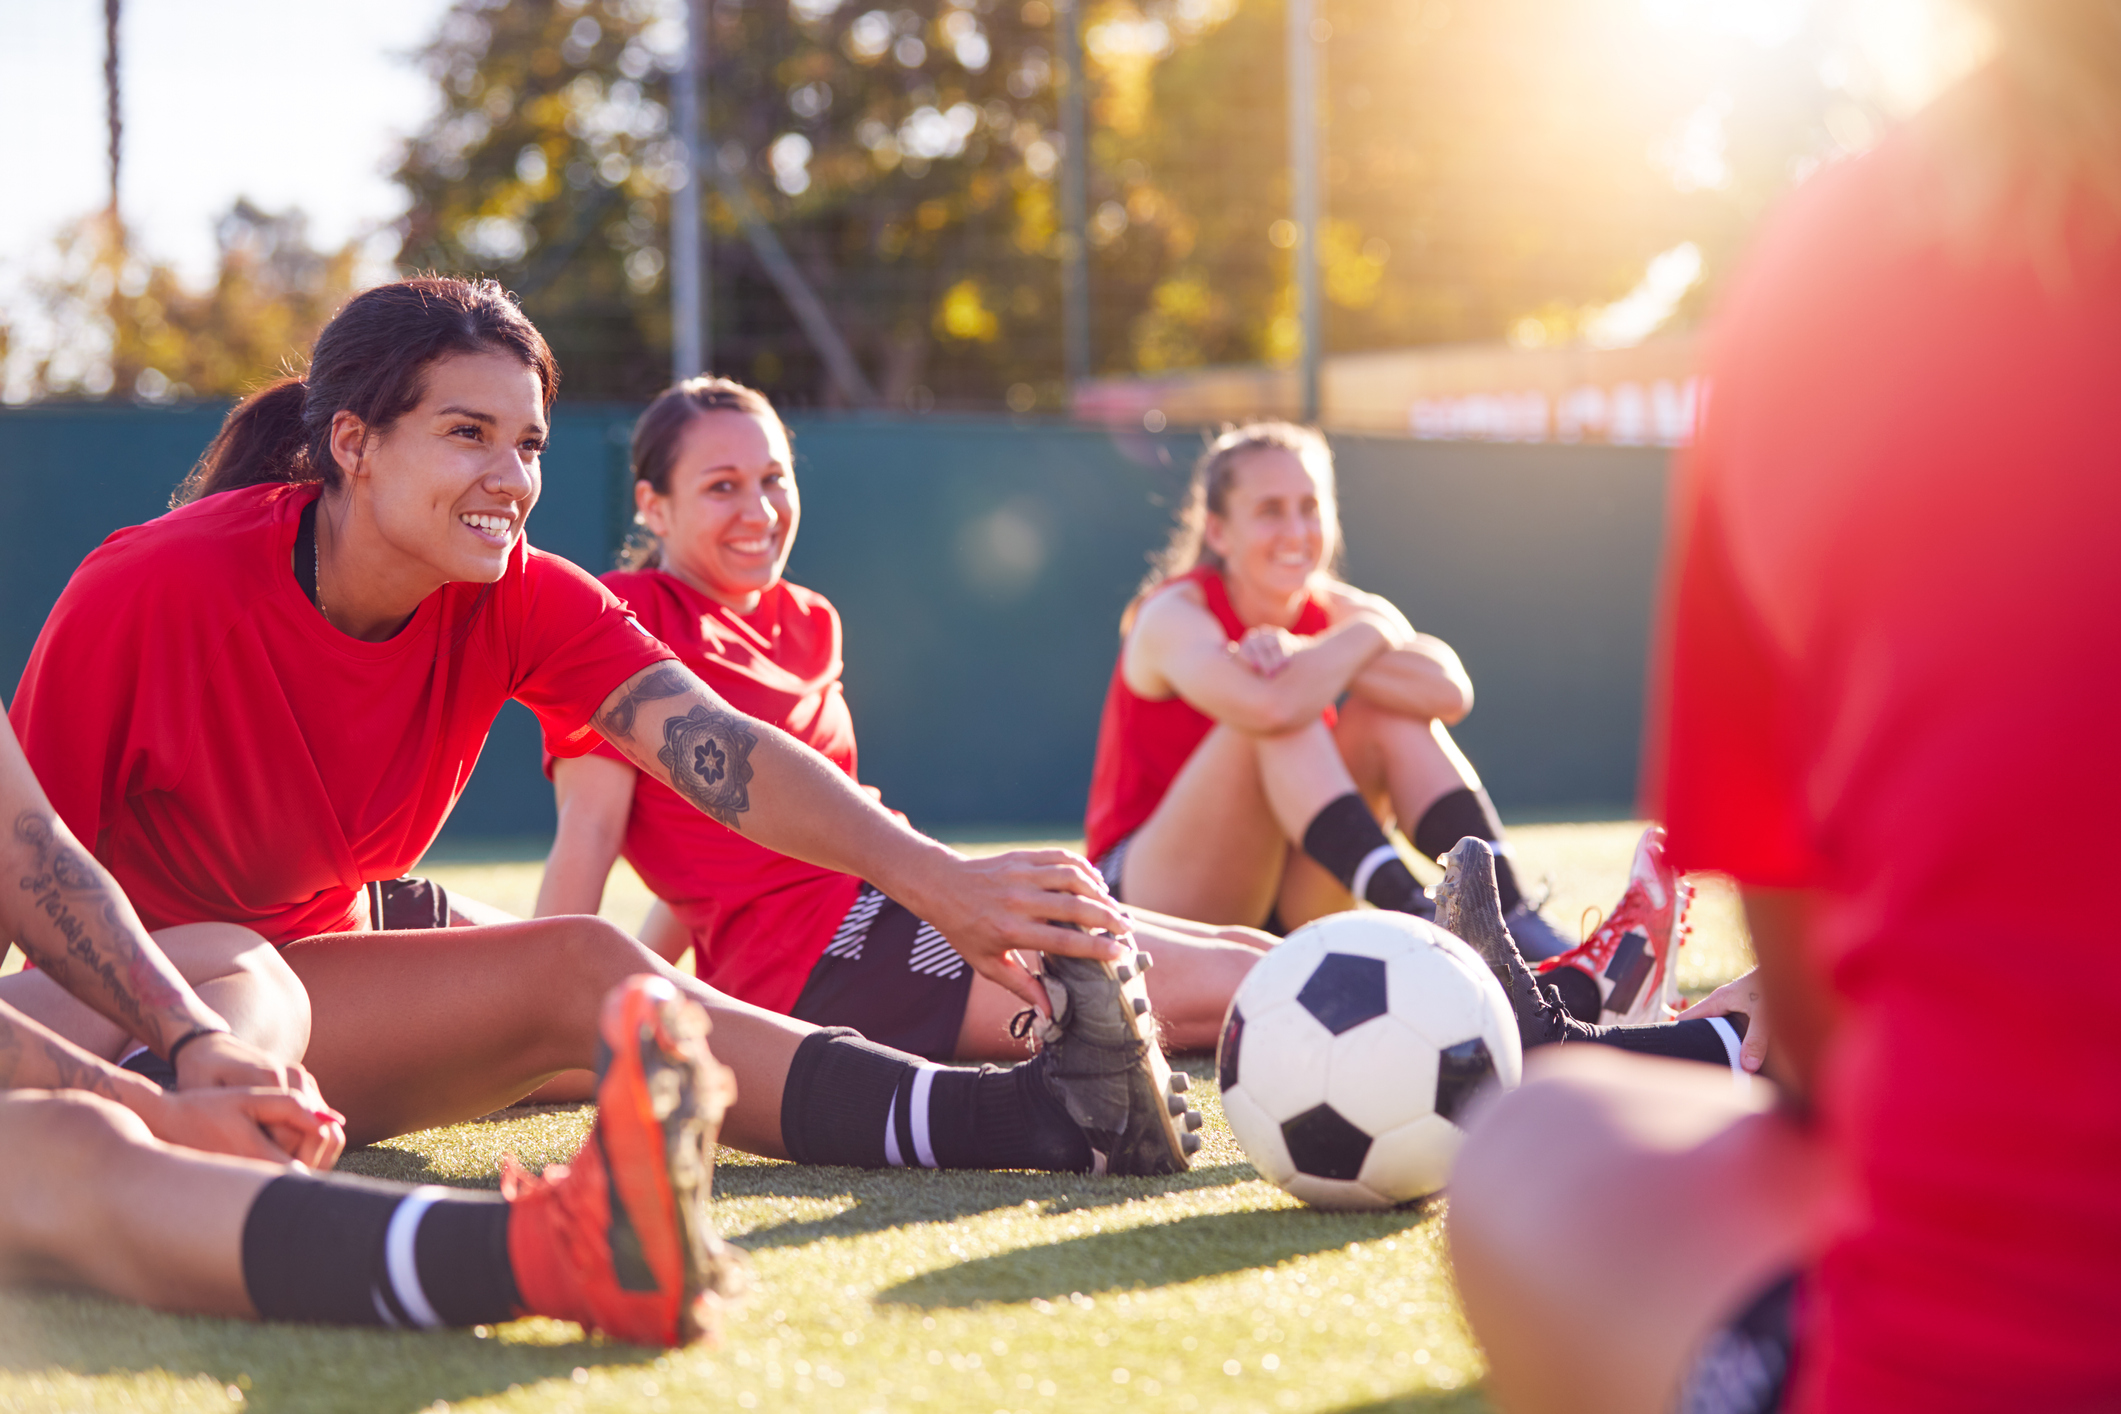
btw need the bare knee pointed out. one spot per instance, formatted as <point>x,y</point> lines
<point>243,977</point>
<point>57,1152</point>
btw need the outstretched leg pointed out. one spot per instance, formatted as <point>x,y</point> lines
<point>1676,1194</point>
<point>619,1240</point>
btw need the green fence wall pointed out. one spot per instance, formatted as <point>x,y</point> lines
<point>981,565</point>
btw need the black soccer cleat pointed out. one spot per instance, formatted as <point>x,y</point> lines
<point>1469,905</point>
<point>1099,1057</point>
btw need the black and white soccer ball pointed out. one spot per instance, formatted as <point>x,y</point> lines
<point>1351,1053</point>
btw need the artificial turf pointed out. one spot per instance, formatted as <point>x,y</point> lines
<point>895,1290</point>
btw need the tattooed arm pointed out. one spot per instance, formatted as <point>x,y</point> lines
<point>69,915</point>
<point>258,1124</point>
<point>763,783</point>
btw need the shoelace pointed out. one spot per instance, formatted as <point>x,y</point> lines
<point>1020,1028</point>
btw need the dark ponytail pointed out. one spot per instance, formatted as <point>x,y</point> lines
<point>370,360</point>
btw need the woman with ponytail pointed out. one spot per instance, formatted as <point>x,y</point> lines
<point>260,708</point>
<point>715,488</point>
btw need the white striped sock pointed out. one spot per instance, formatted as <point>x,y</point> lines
<point>398,1254</point>
<point>1375,860</point>
<point>1728,1034</point>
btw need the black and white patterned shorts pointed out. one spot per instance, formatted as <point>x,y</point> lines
<point>891,977</point>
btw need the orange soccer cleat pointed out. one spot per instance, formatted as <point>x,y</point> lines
<point>1624,972</point>
<point>620,1239</point>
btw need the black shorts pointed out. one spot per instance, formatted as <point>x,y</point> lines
<point>395,905</point>
<point>891,977</point>
<point>1745,1367</point>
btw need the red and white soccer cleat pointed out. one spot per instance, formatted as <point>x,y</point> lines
<point>619,1240</point>
<point>1624,973</point>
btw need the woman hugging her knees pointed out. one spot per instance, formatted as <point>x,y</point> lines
<point>1265,716</point>
<point>715,487</point>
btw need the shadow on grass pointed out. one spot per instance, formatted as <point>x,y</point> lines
<point>1162,1254</point>
<point>887,1198</point>
<point>286,1368</point>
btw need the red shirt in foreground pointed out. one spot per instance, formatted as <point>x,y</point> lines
<point>759,920</point>
<point>1892,677</point>
<point>1142,742</point>
<point>231,756</point>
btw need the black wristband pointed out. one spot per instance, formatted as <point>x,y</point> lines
<point>190,1036</point>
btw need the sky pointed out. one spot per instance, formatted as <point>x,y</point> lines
<point>286,102</point>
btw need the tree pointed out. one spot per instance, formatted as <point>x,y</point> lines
<point>904,160</point>
<point>111,321</point>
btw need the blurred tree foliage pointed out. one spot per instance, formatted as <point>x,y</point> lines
<point>111,321</point>
<point>1493,167</point>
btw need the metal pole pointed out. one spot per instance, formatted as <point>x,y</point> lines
<point>110,86</point>
<point>688,305</point>
<point>1074,197</point>
<point>1303,174</point>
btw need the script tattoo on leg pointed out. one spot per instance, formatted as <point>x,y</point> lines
<point>708,755</point>
<point>668,680</point>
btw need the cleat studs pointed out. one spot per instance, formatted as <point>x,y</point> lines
<point>1141,1006</point>
<point>1123,972</point>
<point>1176,1104</point>
<point>1180,1082</point>
<point>1143,960</point>
<point>1190,1143</point>
<point>1193,1120</point>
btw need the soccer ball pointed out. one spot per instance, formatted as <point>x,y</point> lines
<point>1351,1052</point>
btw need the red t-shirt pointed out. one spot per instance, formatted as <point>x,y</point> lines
<point>230,756</point>
<point>759,920</point>
<point>1142,742</point>
<point>1891,678</point>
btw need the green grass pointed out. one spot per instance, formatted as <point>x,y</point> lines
<point>894,1291</point>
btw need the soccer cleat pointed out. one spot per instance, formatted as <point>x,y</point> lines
<point>1624,972</point>
<point>1099,1057</point>
<point>1469,905</point>
<point>619,1240</point>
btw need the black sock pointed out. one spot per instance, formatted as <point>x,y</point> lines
<point>1697,1040</point>
<point>147,1063</point>
<point>321,1249</point>
<point>1456,815</point>
<point>1346,838</point>
<point>850,1101</point>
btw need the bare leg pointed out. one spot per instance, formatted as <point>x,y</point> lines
<point>418,1029</point>
<point>1410,762</point>
<point>667,937</point>
<point>235,971</point>
<point>1190,986</point>
<point>1593,1280</point>
<point>1217,845</point>
<point>96,1202</point>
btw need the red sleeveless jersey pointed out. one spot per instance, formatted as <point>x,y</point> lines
<point>1142,742</point>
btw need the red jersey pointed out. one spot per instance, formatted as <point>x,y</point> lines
<point>1890,679</point>
<point>759,920</point>
<point>1142,742</point>
<point>230,756</point>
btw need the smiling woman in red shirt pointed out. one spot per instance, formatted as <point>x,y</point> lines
<point>715,487</point>
<point>267,700</point>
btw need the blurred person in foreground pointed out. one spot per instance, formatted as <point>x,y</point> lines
<point>1885,709</point>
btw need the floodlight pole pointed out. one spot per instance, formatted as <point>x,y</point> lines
<point>1303,183</point>
<point>689,347</point>
<point>1074,196</point>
